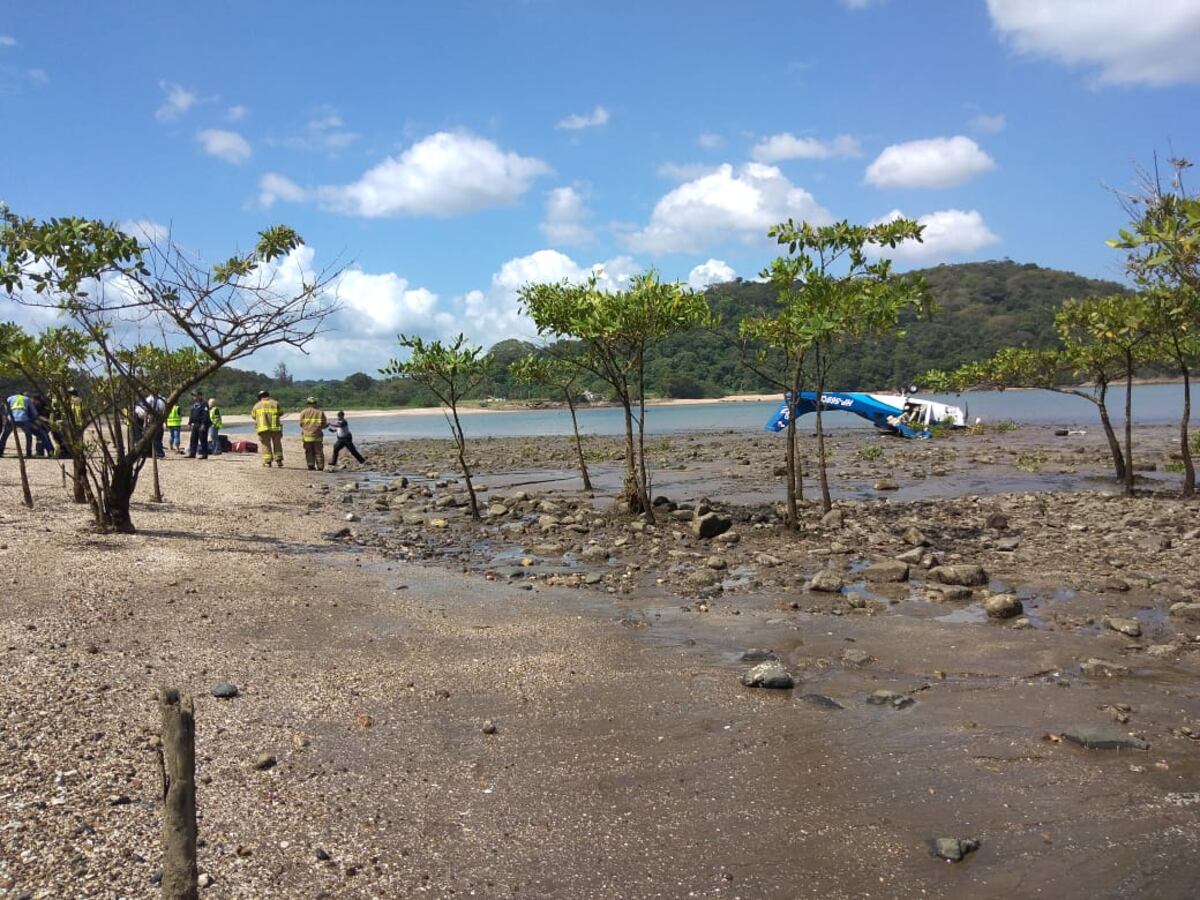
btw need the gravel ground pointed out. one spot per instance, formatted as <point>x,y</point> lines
<point>437,733</point>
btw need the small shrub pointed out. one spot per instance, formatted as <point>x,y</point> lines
<point>1031,462</point>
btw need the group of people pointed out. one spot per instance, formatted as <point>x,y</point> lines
<point>204,427</point>
<point>41,421</point>
<point>313,425</point>
<point>38,420</point>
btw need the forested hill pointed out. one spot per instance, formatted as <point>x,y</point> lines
<point>981,308</point>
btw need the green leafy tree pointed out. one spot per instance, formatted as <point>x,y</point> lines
<point>560,377</point>
<point>450,371</point>
<point>1119,325</point>
<point>831,296</point>
<point>1085,364</point>
<point>113,291</point>
<point>1163,244</point>
<point>616,330</point>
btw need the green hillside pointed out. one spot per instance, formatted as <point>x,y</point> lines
<point>981,307</point>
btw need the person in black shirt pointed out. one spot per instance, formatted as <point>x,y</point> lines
<point>345,440</point>
<point>198,421</point>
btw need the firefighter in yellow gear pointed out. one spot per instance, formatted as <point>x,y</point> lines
<point>269,428</point>
<point>312,432</point>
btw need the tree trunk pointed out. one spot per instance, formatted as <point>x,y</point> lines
<point>583,469</point>
<point>460,440</point>
<point>79,476</point>
<point>643,477</point>
<point>179,796</point>
<point>121,483</point>
<point>826,502</point>
<point>1110,434</point>
<point>633,497</point>
<point>1128,425</point>
<point>792,516</point>
<point>156,497</point>
<point>26,494</point>
<point>1185,448</point>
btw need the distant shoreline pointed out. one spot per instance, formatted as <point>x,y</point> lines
<point>509,406</point>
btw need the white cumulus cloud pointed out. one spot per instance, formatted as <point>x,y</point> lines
<point>177,101</point>
<point>566,216</point>
<point>725,204</point>
<point>932,163</point>
<point>7,40</point>
<point>445,174</point>
<point>274,187</point>
<point>496,311</point>
<point>1128,41</point>
<point>948,233</point>
<point>787,146</point>
<point>236,113</point>
<point>594,119</point>
<point>709,140</point>
<point>227,145</point>
<point>715,271</point>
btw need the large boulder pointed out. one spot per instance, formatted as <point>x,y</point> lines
<point>1126,625</point>
<point>710,524</point>
<point>1189,612</point>
<point>770,674</point>
<point>963,574</point>
<point>828,581</point>
<point>1002,606</point>
<point>887,570</point>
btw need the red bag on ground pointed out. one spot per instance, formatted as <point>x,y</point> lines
<point>243,446</point>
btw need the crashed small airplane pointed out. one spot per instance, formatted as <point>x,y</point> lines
<point>910,417</point>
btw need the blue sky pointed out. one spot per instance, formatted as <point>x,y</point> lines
<point>450,152</point>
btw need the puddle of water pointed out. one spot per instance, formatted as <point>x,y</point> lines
<point>970,615</point>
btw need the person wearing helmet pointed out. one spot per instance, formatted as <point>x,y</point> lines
<point>312,432</point>
<point>269,426</point>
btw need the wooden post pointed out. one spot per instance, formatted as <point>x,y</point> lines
<point>179,795</point>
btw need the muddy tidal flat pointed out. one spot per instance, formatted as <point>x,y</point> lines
<point>993,661</point>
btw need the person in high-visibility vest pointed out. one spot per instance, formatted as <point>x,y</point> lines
<point>312,432</point>
<point>175,426</point>
<point>20,418</point>
<point>198,425</point>
<point>214,427</point>
<point>268,425</point>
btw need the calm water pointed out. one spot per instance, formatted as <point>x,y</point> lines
<point>1153,404</point>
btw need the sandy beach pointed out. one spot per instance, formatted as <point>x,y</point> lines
<point>549,703</point>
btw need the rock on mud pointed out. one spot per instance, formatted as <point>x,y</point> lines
<point>1127,626</point>
<point>770,674</point>
<point>826,580</point>
<point>962,574</point>
<point>821,701</point>
<point>709,525</point>
<point>1100,737</point>
<point>955,849</point>
<point>1103,668</point>
<point>1002,606</point>
<point>1189,612</point>
<point>889,570</point>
